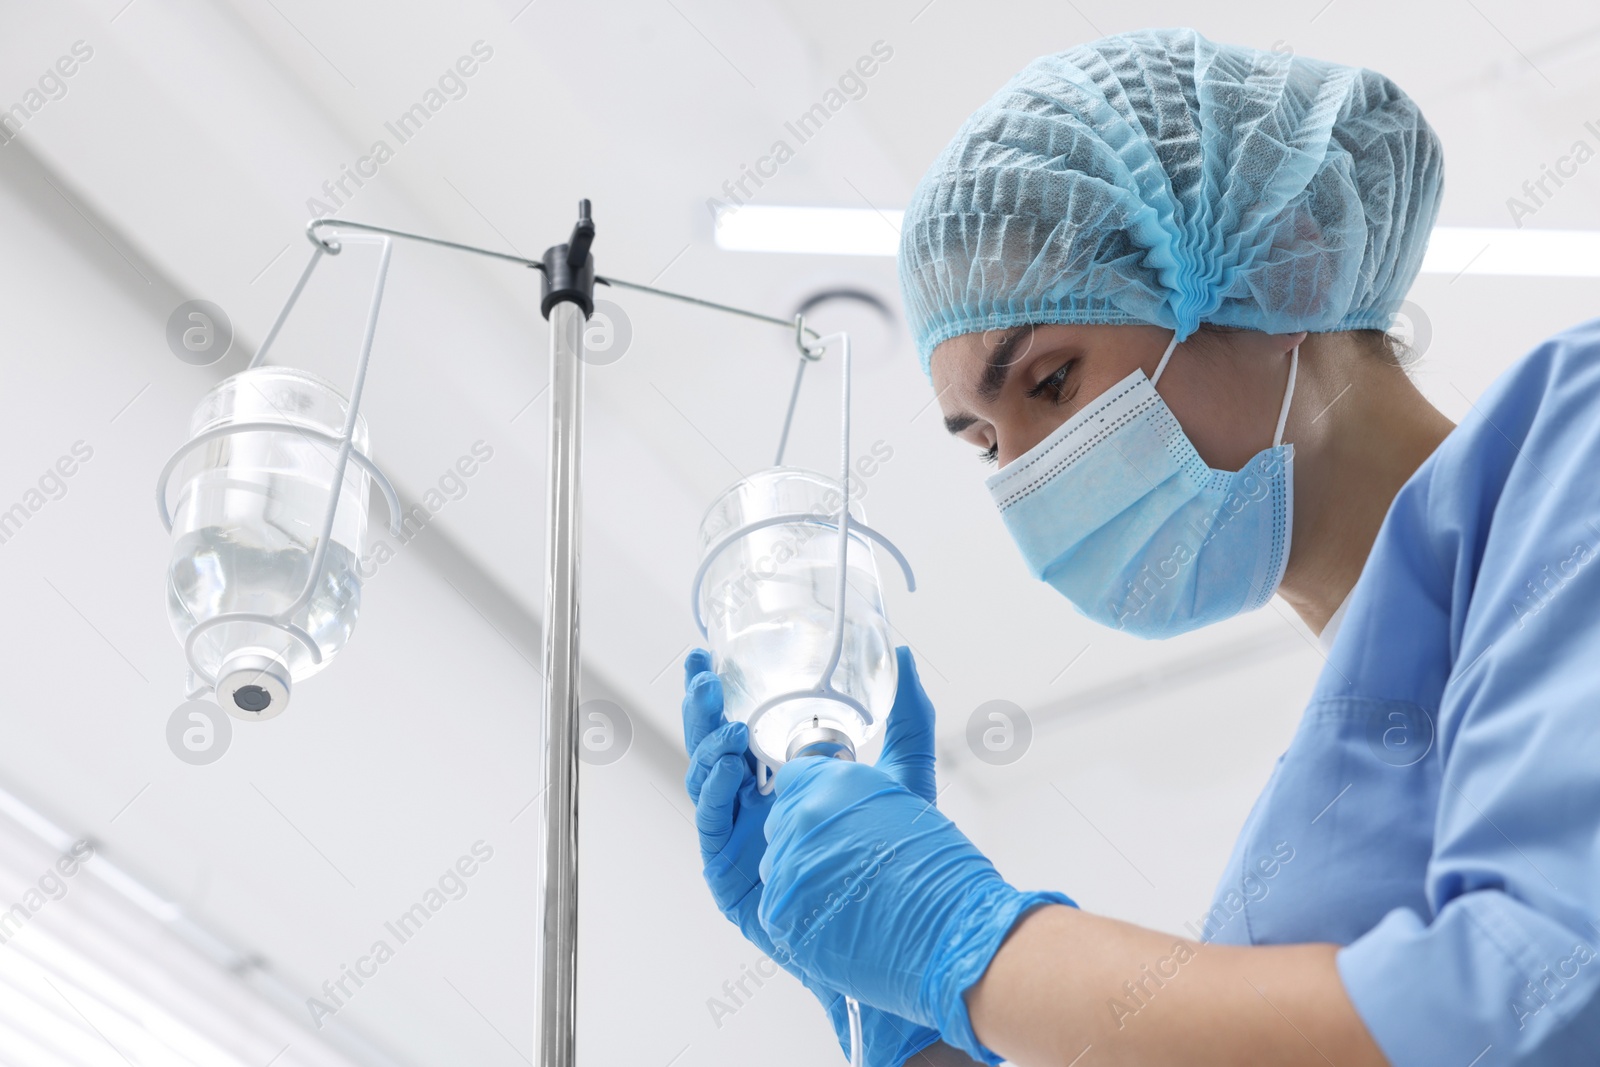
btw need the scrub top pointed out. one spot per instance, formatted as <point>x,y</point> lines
<point>1437,814</point>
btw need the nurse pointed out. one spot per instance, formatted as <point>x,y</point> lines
<point>1148,281</point>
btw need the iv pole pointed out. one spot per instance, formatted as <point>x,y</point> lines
<point>567,300</point>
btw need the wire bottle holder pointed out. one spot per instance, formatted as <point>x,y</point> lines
<point>200,680</point>
<point>846,526</point>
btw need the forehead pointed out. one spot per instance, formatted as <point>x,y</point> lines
<point>950,356</point>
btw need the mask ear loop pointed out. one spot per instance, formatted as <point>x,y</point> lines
<point>1288,390</point>
<point>1288,396</point>
<point>1172,346</point>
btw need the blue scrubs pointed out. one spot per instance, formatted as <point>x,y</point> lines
<point>1438,812</point>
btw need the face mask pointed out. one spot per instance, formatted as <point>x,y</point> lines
<point>1118,512</point>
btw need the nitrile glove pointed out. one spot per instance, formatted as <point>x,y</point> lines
<point>873,892</point>
<point>730,814</point>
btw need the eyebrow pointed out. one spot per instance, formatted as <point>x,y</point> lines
<point>1000,363</point>
<point>996,368</point>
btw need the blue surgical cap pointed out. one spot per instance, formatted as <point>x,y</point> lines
<point>1156,177</point>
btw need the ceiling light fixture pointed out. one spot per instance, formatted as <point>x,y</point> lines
<point>1456,250</point>
<point>1453,250</point>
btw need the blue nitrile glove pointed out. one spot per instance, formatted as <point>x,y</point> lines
<point>873,892</point>
<point>730,814</point>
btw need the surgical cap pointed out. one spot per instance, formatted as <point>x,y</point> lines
<point>1156,177</point>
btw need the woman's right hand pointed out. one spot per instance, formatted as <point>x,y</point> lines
<point>731,816</point>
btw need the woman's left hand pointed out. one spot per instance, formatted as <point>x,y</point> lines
<point>871,890</point>
<point>730,815</point>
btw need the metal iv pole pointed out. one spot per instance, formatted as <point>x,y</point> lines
<point>568,301</point>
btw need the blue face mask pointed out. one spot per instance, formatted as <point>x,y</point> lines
<point>1119,513</point>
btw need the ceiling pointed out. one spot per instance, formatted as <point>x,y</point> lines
<point>178,164</point>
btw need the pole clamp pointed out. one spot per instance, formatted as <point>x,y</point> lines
<point>568,270</point>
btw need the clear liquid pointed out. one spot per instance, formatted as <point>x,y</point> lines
<point>766,660</point>
<point>258,568</point>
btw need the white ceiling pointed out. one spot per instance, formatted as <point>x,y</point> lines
<point>178,165</point>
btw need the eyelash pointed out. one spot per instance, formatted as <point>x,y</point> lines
<point>1052,384</point>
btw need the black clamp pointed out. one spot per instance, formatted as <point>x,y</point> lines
<point>568,270</point>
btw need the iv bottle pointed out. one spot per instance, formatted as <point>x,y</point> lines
<point>247,518</point>
<point>768,604</point>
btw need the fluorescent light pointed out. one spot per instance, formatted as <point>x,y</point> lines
<point>828,231</point>
<point>135,891</point>
<point>43,828</point>
<point>1453,250</point>
<point>99,970</point>
<point>1552,253</point>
